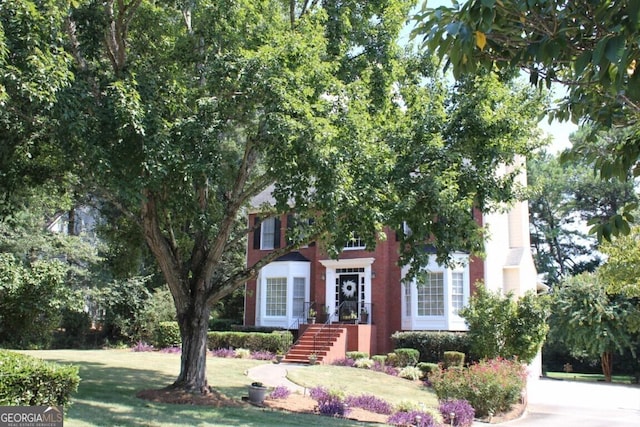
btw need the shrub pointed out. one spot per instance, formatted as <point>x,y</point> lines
<point>379,358</point>
<point>280,392</point>
<point>74,331</point>
<point>32,382</point>
<point>392,359</point>
<point>503,326</point>
<point>457,413</point>
<point>35,292</point>
<point>432,345</point>
<point>276,341</point>
<point>363,363</point>
<point>490,386</point>
<point>427,368</point>
<point>243,353</point>
<point>355,355</point>
<point>126,306</point>
<point>412,418</point>
<point>406,356</point>
<point>157,308</point>
<point>453,358</point>
<point>412,373</point>
<point>370,403</point>
<point>167,334</point>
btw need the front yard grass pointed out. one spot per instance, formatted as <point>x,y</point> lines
<point>354,381</point>
<point>111,378</point>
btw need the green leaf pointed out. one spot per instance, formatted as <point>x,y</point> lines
<point>599,51</point>
<point>581,62</point>
<point>614,49</point>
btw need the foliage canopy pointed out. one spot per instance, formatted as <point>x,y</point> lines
<point>588,46</point>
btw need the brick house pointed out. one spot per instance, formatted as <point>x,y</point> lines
<point>361,299</point>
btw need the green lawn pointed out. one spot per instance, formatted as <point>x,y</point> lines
<point>576,376</point>
<point>111,378</point>
<point>355,381</point>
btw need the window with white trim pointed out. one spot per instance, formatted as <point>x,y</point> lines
<point>268,233</point>
<point>431,295</point>
<point>355,243</point>
<point>299,289</point>
<point>276,296</point>
<point>457,291</point>
<point>407,299</point>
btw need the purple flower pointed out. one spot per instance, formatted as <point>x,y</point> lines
<point>280,392</point>
<point>262,355</point>
<point>457,412</point>
<point>370,403</point>
<point>333,407</point>
<point>171,350</point>
<point>224,352</point>
<point>344,362</point>
<point>385,369</point>
<point>142,346</point>
<point>319,393</point>
<point>412,418</point>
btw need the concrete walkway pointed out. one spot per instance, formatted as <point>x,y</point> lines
<point>580,404</point>
<point>275,374</point>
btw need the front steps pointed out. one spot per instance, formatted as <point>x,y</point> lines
<point>326,341</point>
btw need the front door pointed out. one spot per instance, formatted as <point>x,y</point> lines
<point>348,296</point>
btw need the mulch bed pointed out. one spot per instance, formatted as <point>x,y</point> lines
<point>294,403</point>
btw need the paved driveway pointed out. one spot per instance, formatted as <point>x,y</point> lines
<point>554,403</point>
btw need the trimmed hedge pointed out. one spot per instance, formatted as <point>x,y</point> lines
<point>27,381</point>
<point>432,345</point>
<point>276,341</point>
<point>406,357</point>
<point>355,355</point>
<point>167,334</point>
<point>453,359</point>
<point>428,368</point>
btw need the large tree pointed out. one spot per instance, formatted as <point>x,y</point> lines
<point>591,322</point>
<point>589,46</point>
<point>621,271</point>
<point>565,200</point>
<point>178,114</point>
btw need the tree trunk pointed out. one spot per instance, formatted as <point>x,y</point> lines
<point>194,325</point>
<point>606,360</point>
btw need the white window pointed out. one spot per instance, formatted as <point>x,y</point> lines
<point>431,295</point>
<point>355,243</point>
<point>407,299</point>
<point>457,291</point>
<point>299,288</point>
<point>268,233</point>
<point>276,296</point>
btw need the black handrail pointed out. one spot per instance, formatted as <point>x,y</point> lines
<point>328,323</point>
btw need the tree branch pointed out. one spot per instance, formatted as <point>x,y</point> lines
<point>168,263</point>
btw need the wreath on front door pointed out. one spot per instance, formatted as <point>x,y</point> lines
<point>349,288</point>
